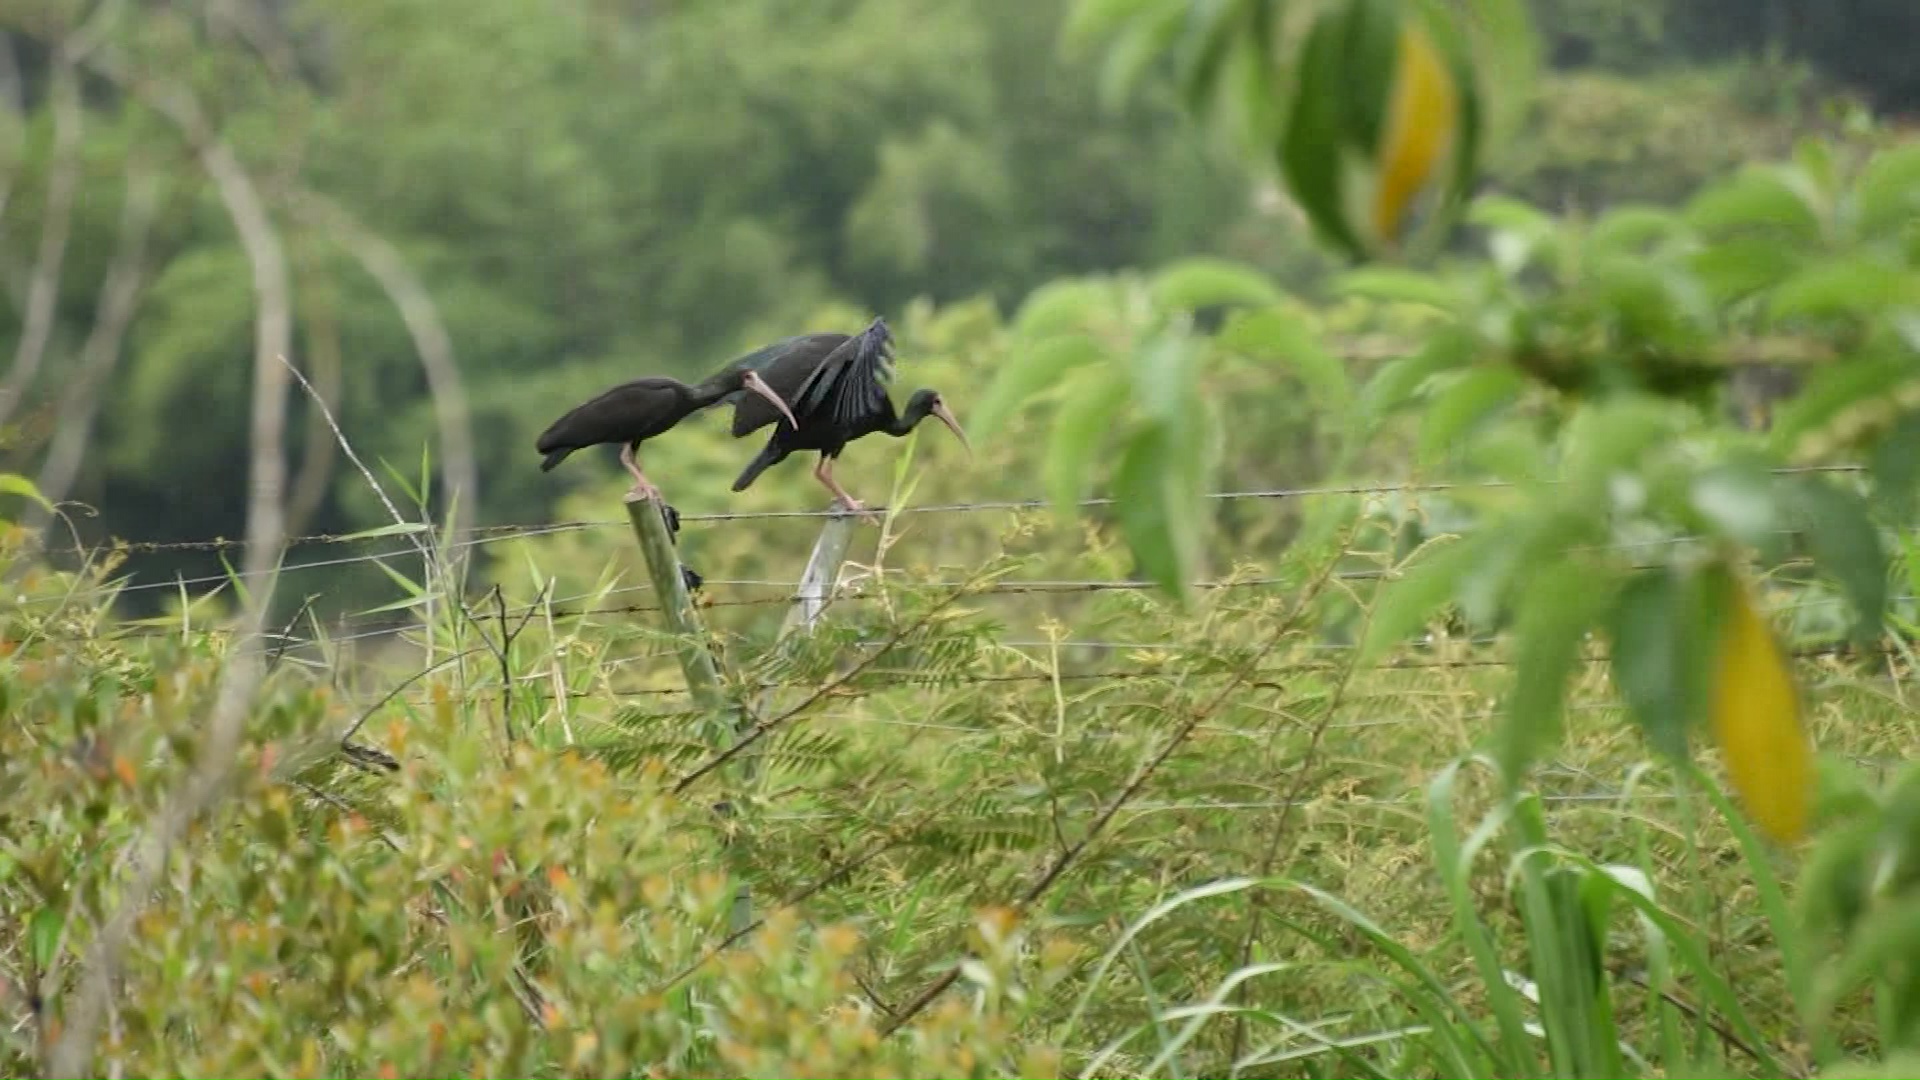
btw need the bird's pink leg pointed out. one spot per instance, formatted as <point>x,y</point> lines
<point>823,472</point>
<point>643,488</point>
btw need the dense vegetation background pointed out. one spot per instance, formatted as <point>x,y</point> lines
<point>1004,810</point>
<point>587,192</point>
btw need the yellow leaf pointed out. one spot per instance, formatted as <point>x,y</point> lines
<point>1756,720</point>
<point>1422,119</point>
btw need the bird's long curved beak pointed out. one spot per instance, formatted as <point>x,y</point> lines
<point>755,383</point>
<point>946,417</point>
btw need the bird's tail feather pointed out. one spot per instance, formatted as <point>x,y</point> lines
<point>768,458</point>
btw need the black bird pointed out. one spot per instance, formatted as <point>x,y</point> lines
<point>634,412</point>
<point>837,385</point>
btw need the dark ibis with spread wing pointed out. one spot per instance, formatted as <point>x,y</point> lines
<point>633,412</point>
<point>837,386</point>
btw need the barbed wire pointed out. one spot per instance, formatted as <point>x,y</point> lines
<point>478,535</point>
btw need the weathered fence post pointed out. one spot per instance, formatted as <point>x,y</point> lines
<point>727,724</point>
<point>649,520</point>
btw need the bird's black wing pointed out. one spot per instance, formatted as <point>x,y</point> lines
<point>785,365</point>
<point>628,412</point>
<point>850,386</point>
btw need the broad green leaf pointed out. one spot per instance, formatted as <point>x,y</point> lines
<point>1661,631</point>
<point>1755,710</point>
<point>1163,374</point>
<point>1080,429</point>
<point>1756,198</point>
<point>1430,580</point>
<point>1851,286</point>
<point>1563,599</point>
<point>1738,499</point>
<point>1394,383</point>
<point>1396,284</point>
<point>1197,283</point>
<point>1061,307</point>
<point>1834,389</point>
<point>1846,544</point>
<point>15,484</point>
<point>1740,266</point>
<point>1157,512</point>
<point>1650,303</point>
<point>1312,151</point>
<point>1285,338</point>
<point>1896,468</point>
<point>1141,42</point>
<point>1887,195</point>
<point>1508,214</point>
<point>43,931</point>
<point>1612,435</point>
<point>1028,374</point>
<point>1633,230</point>
<point>1467,401</point>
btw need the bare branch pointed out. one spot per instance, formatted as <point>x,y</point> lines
<point>119,299</point>
<point>273,324</point>
<point>43,294</point>
<point>317,457</point>
<point>13,100</point>
<point>384,263</point>
<point>72,1055</point>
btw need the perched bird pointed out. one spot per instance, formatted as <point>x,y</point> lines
<point>837,385</point>
<point>634,412</point>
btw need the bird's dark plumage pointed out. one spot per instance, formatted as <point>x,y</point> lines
<point>838,393</point>
<point>636,411</point>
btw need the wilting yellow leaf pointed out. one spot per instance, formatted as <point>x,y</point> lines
<point>1422,120</point>
<point>1756,720</point>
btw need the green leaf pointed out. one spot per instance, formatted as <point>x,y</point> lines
<point>1852,286</point>
<point>1846,544</point>
<point>1397,285</point>
<point>1395,382</point>
<point>1660,633</point>
<point>1079,430</point>
<point>1743,265</point>
<point>1836,388</point>
<point>1284,337</point>
<point>1737,499</point>
<point>1060,307</point>
<point>1158,510</point>
<point>1896,468</point>
<point>15,484</point>
<point>43,930</point>
<point>1888,193</point>
<point>1612,435</point>
<point>1430,580</point>
<point>1756,198</point>
<point>1467,401</point>
<point>1633,230</point>
<point>1098,18</point>
<point>398,528</point>
<point>1311,150</point>
<point>1163,374</point>
<point>1025,376</point>
<point>1557,607</point>
<point>1194,284</point>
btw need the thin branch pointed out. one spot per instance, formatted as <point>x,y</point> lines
<point>273,323</point>
<point>384,263</point>
<point>56,222</point>
<point>310,485</point>
<point>119,300</point>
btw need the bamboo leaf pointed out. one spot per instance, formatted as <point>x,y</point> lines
<point>1561,602</point>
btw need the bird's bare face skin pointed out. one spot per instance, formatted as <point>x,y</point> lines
<point>946,417</point>
<point>755,383</point>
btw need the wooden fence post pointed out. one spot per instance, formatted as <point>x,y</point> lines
<point>726,723</point>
